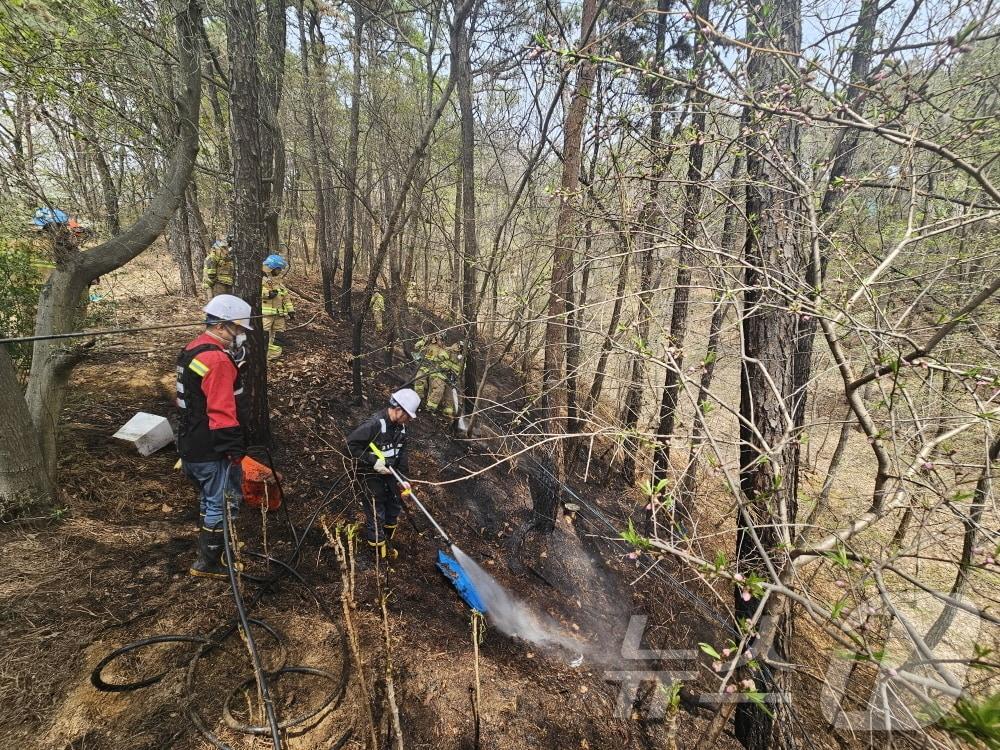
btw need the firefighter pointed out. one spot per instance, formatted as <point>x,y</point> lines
<point>275,302</point>
<point>378,310</point>
<point>450,364</point>
<point>217,274</point>
<point>447,364</point>
<point>210,433</point>
<point>378,445</point>
<point>428,352</point>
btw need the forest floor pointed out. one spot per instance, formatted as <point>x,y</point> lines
<point>112,569</point>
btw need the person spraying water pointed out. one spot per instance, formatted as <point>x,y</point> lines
<point>482,592</point>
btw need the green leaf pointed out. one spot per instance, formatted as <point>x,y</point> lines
<point>633,537</point>
<point>707,649</point>
<point>975,721</point>
<point>839,556</point>
<point>966,32</point>
<point>837,609</point>
<point>759,700</point>
<point>672,693</point>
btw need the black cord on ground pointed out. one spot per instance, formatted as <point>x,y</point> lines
<point>259,673</point>
<point>244,622</point>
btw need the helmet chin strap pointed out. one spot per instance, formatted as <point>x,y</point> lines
<point>220,339</point>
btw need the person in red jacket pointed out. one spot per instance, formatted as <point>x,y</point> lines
<point>210,436</point>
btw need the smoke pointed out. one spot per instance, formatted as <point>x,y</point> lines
<point>515,618</point>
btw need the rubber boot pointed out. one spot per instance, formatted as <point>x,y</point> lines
<point>392,552</point>
<point>209,562</point>
<point>383,551</point>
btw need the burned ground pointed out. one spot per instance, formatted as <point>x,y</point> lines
<point>111,569</point>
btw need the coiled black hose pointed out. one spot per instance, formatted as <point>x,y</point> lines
<point>244,622</point>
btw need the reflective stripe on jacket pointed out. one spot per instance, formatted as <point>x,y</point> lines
<point>209,387</point>
<point>384,434</point>
<point>218,269</point>
<point>274,298</point>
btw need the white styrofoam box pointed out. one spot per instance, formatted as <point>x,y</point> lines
<point>148,432</point>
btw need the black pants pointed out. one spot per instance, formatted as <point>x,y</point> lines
<point>386,506</point>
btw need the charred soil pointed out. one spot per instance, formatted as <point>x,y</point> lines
<point>111,569</point>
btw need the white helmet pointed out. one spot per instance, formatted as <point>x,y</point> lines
<point>407,400</point>
<point>230,308</point>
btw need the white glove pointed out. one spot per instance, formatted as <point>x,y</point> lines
<point>381,468</point>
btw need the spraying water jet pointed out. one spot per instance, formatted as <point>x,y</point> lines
<point>484,594</point>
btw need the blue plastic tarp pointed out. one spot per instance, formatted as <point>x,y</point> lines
<point>45,216</point>
<point>458,578</point>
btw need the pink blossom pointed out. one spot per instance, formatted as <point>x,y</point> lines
<point>633,555</point>
<point>730,689</point>
<point>745,594</point>
<point>717,666</point>
<point>840,584</point>
<point>738,577</point>
<point>726,652</point>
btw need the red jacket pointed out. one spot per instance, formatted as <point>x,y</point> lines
<point>208,384</point>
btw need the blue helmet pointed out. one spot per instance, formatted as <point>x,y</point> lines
<point>275,263</point>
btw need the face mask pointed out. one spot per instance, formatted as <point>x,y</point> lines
<point>239,339</point>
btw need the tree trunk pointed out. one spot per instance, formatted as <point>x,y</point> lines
<point>351,176</point>
<point>272,140</point>
<point>684,501</point>
<point>609,338</point>
<point>248,245</point>
<point>970,538</point>
<point>25,485</point>
<point>109,191</point>
<point>774,263</point>
<point>334,228</point>
<point>460,54</point>
<point>197,230</point>
<point>58,305</point>
<point>553,379</point>
<point>683,511</point>
<point>651,213</point>
<point>392,222</point>
<point>690,230</point>
<point>844,153</point>
<point>319,193</point>
<point>179,242</point>
<point>457,265</point>
<point>574,316</point>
